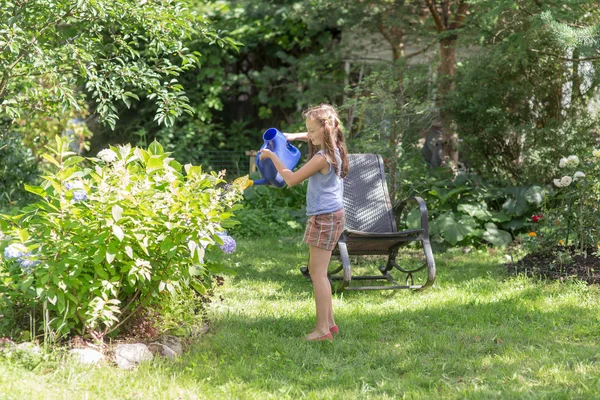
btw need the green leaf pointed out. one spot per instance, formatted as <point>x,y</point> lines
<point>496,236</point>
<point>451,230</point>
<point>514,224</point>
<point>517,203</point>
<point>534,195</point>
<point>155,163</point>
<point>195,270</point>
<point>478,211</point>
<point>100,271</point>
<point>73,160</point>
<point>100,255</point>
<point>48,157</point>
<point>501,216</point>
<point>35,190</point>
<point>193,170</point>
<point>198,287</point>
<point>155,148</point>
<point>23,235</point>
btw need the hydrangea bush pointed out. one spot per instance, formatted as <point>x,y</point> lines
<point>572,214</point>
<point>111,233</point>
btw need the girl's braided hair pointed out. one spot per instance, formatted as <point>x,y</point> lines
<point>333,136</point>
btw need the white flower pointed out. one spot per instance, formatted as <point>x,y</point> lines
<point>107,155</point>
<point>566,180</point>
<point>578,175</point>
<point>557,183</point>
<point>596,153</point>
<point>573,161</point>
<point>562,163</point>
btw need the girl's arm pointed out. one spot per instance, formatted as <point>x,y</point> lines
<point>313,166</point>
<point>301,136</point>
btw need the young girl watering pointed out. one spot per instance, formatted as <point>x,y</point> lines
<point>326,167</point>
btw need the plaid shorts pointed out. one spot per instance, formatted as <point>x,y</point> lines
<point>324,230</point>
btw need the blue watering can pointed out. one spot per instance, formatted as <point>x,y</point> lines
<point>287,153</point>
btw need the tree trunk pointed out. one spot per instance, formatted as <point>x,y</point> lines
<point>447,70</point>
<point>446,23</point>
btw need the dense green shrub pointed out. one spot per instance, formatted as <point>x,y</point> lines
<point>467,209</point>
<point>109,234</point>
<point>18,166</point>
<point>268,210</point>
<point>571,215</point>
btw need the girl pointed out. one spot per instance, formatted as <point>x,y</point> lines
<point>327,165</point>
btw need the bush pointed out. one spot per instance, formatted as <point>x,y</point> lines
<point>109,234</point>
<point>18,167</point>
<point>572,214</point>
<point>467,209</point>
<point>268,210</point>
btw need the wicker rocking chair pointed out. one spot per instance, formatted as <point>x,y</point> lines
<point>371,229</point>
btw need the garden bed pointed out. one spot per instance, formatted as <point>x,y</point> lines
<point>560,263</point>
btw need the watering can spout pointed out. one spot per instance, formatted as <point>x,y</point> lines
<point>262,181</point>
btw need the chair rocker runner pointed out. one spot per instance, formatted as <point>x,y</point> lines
<point>370,229</point>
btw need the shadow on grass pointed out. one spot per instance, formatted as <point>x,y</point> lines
<point>264,265</point>
<point>438,349</point>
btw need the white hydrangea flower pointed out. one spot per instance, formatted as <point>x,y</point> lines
<point>596,153</point>
<point>563,162</point>
<point>566,180</point>
<point>578,175</point>
<point>573,161</point>
<point>107,155</point>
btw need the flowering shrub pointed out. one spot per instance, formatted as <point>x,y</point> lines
<point>229,243</point>
<point>572,215</point>
<point>110,233</point>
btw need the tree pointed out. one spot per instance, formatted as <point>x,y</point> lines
<point>448,17</point>
<point>59,55</point>
<point>527,97</point>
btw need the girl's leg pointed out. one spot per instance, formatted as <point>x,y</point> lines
<point>317,267</point>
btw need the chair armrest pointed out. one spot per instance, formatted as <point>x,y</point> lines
<point>422,209</point>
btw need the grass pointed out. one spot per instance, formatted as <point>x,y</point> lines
<point>477,334</point>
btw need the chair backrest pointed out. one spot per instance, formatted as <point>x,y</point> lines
<point>366,199</point>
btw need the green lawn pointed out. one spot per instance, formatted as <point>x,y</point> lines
<point>477,334</point>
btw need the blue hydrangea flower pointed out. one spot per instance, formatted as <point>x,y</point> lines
<point>27,264</point>
<point>229,243</point>
<point>78,195</point>
<point>12,252</point>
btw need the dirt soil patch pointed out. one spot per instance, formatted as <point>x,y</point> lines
<point>561,263</point>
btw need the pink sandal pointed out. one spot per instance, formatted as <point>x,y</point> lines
<point>334,330</point>
<point>326,336</point>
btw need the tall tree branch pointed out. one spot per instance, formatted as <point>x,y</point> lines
<point>423,50</point>
<point>439,24</point>
<point>461,14</point>
<point>25,50</point>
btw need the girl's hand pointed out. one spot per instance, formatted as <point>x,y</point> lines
<point>289,136</point>
<point>265,153</point>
